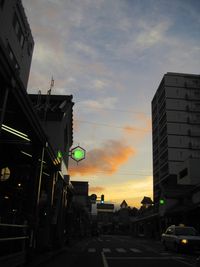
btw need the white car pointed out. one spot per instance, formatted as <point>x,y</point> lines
<point>181,238</point>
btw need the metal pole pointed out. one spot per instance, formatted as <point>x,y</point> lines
<point>40,177</point>
<point>4,108</point>
<point>33,243</point>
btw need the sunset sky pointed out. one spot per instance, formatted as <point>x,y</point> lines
<point>111,56</point>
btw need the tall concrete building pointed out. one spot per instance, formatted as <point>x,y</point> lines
<point>176,128</point>
<point>15,38</point>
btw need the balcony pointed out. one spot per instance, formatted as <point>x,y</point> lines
<point>194,132</point>
<point>192,95</point>
<point>193,120</point>
<point>194,145</point>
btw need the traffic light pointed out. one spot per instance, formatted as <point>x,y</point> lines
<point>102,199</point>
<point>162,201</point>
<point>93,198</point>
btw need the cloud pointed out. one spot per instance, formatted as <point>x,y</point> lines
<point>82,48</point>
<point>97,189</point>
<point>148,34</point>
<point>133,130</point>
<point>99,84</point>
<point>107,159</point>
<point>142,129</point>
<point>101,103</point>
<point>132,191</point>
<point>152,34</point>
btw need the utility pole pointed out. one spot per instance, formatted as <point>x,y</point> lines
<point>48,98</point>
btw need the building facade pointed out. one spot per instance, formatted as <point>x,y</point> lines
<point>175,128</point>
<point>16,38</point>
<point>33,183</point>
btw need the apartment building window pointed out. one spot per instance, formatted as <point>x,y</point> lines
<point>183,173</point>
<point>2,3</point>
<point>12,57</point>
<point>18,30</point>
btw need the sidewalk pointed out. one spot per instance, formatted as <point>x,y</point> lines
<point>43,257</point>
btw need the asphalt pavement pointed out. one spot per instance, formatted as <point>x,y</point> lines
<point>117,251</point>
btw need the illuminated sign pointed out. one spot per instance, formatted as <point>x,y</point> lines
<point>78,153</point>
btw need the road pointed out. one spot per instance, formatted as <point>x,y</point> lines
<point>120,251</point>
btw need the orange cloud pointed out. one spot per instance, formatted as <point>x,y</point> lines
<point>97,189</point>
<point>140,131</point>
<point>106,159</point>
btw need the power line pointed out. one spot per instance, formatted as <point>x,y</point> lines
<point>112,126</point>
<point>114,109</point>
<point>128,174</point>
<point>119,173</point>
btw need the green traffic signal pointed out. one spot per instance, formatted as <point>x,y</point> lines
<point>162,202</point>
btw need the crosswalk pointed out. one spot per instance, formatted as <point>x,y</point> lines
<point>118,250</point>
<point>131,253</point>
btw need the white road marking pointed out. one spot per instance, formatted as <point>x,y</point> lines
<point>105,263</point>
<point>135,250</point>
<point>106,250</point>
<point>121,250</point>
<point>144,258</point>
<point>91,249</point>
<point>181,260</point>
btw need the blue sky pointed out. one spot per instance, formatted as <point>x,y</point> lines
<point>111,56</point>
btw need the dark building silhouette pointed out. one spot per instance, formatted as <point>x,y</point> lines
<point>34,181</point>
<point>55,113</point>
<point>176,149</point>
<point>16,38</point>
<point>175,127</point>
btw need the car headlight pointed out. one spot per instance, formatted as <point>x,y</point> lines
<point>184,241</point>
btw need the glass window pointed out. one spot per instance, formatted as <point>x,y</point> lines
<point>12,57</point>
<point>18,30</point>
<point>2,3</point>
<point>169,231</point>
<point>185,231</point>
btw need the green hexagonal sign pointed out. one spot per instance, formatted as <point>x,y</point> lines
<point>78,153</point>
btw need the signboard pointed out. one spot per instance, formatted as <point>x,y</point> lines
<point>78,153</point>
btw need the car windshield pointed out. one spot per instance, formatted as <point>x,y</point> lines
<point>185,231</point>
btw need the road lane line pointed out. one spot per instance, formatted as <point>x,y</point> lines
<point>92,250</point>
<point>135,250</point>
<point>106,250</point>
<point>143,258</point>
<point>105,263</point>
<point>121,250</point>
<point>186,263</point>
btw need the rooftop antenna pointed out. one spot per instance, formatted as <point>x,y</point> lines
<point>48,98</point>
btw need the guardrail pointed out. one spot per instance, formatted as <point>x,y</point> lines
<point>13,238</point>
